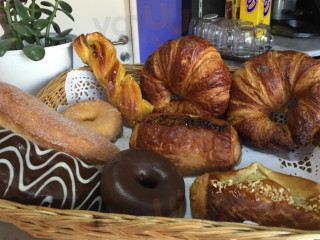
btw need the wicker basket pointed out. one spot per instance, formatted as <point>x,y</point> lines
<point>52,223</point>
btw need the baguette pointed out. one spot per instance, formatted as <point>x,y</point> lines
<point>28,116</point>
<point>257,194</point>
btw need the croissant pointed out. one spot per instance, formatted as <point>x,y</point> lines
<point>122,90</point>
<point>195,144</point>
<point>264,84</point>
<point>186,75</point>
<point>257,194</point>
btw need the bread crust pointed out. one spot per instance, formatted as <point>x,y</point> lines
<point>257,194</point>
<point>264,84</point>
<point>195,144</point>
<point>191,70</point>
<point>28,116</point>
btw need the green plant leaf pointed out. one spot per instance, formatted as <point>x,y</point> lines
<point>65,32</point>
<point>65,6</point>
<point>46,11</point>
<point>29,40</point>
<point>6,44</point>
<point>56,27</point>
<point>22,12</point>
<point>40,24</point>
<point>67,13</point>
<point>34,52</point>
<point>37,12</point>
<point>61,36</point>
<point>47,4</point>
<point>23,29</point>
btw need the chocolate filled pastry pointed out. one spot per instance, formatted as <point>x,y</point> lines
<point>34,176</point>
<point>257,194</point>
<point>28,116</point>
<point>194,144</point>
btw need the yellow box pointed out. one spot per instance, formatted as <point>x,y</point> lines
<point>256,11</point>
<point>232,9</point>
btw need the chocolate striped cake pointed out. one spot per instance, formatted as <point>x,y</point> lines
<point>30,175</point>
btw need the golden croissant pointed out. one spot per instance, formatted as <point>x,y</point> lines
<point>264,84</point>
<point>123,91</point>
<point>186,75</point>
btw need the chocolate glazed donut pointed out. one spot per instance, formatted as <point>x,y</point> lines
<point>142,182</point>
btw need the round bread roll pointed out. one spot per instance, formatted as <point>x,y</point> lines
<point>97,115</point>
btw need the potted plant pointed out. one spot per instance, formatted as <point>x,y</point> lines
<point>33,49</point>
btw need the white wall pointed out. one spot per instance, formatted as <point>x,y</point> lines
<point>109,17</point>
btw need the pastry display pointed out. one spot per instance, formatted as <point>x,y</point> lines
<point>257,194</point>
<point>186,75</point>
<point>188,126</point>
<point>122,90</point>
<point>195,144</point>
<point>97,115</point>
<point>28,116</point>
<point>142,182</point>
<point>31,175</point>
<point>264,84</point>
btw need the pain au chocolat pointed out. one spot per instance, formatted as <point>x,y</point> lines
<point>195,144</point>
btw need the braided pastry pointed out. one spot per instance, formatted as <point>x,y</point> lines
<point>264,84</point>
<point>122,90</point>
<point>191,69</point>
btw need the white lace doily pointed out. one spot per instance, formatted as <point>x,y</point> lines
<point>82,85</point>
<point>304,162</point>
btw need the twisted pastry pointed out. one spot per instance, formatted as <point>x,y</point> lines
<point>123,91</point>
<point>192,69</point>
<point>264,84</point>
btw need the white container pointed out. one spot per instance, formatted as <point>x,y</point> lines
<point>32,76</point>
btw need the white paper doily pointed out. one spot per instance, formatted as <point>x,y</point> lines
<point>304,162</point>
<point>82,85</point>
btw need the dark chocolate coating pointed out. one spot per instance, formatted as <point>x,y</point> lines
<point>30,175</point>
<point>185,120</point>
<point>142,182</point>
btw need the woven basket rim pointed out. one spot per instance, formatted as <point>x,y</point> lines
<point>44,222</point>
<point>41,221</point>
